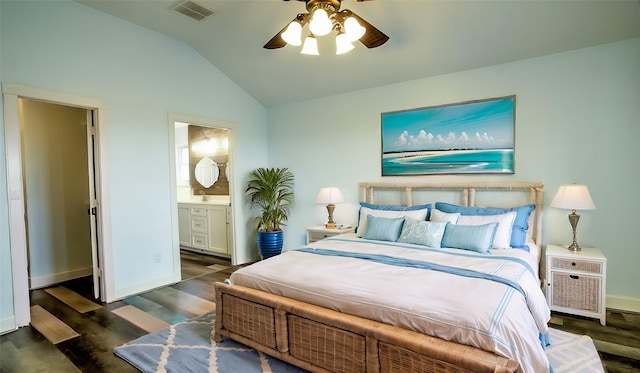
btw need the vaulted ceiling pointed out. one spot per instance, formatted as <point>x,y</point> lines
<point>427,38</point>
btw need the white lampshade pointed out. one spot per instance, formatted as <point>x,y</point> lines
<point>293,34</point>
<point>310,46</point>
<point>320,23</point>
<point>329,195</point>
<point>573,197</point>
<point>343,44</point>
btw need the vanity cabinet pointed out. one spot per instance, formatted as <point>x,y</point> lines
<point>184,224</point>
<point>205,228</point>
<point>217,218</point>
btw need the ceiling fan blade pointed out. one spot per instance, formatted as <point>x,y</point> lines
<point>372,37</point>
<point>277,41</point>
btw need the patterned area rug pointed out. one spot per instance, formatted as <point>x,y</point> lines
<point>572,353</point>
<point>189,347</point>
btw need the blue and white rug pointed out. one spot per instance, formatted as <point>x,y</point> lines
<point>189,347</point>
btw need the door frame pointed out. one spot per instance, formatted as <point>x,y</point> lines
<point>15,192</point>
<point>204,122</point>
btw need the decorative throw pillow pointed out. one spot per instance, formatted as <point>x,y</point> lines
<point>427,233</point>
<point>383,229</point>
<point>417,212</point>
<point>502,239</point>
<point>520,224</point>
<point>470,237</point>
<point>437,215</point>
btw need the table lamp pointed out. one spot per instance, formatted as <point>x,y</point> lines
<point>330,196</point>
<point>573,197</point>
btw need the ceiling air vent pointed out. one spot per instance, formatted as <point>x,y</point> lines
<point>194,10</point>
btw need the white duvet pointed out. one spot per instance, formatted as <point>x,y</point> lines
<point>505,318</point>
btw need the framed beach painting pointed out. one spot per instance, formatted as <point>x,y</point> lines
<point>473,137</point>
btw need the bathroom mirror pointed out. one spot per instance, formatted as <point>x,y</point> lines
<point>207,172</point>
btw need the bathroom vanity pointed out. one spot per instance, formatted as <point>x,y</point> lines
<point>205,226</point>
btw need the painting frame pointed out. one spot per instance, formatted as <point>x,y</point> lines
<point>470,137</point>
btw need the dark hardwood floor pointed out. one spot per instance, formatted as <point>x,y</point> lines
<point>26,350</point>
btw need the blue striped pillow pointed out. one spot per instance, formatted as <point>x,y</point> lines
<point>470,237</point>
<point>383,229</point>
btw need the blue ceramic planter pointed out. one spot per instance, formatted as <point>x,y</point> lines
<point>270,243</point>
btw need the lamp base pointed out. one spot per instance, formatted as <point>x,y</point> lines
<point>574,247</point>
<point>573,219</point>
<point>331,225</point>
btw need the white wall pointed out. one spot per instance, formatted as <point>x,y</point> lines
<point>576,121</point>
<point>67,47</point>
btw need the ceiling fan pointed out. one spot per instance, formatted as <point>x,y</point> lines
<point>323,17</point>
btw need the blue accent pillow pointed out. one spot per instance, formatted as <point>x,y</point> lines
<point>470,237</point>
<point>372,206</point>
<point>427,233</point>
<point>383,229</point>
<point>520,224</point>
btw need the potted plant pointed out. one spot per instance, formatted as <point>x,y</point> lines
<point>271,190</point>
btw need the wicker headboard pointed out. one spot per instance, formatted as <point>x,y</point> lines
<point>467,193</point>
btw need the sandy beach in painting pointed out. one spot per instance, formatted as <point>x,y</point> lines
<point>448,161</point>
<point>428,153</point>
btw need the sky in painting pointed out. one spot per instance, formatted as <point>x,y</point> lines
<point>475,125</point>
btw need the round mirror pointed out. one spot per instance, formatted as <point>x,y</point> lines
<point>207,172</point>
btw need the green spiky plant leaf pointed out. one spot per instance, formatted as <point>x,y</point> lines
<point>271,190</point>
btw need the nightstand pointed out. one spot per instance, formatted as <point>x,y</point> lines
<point>320,232</point>
<point>576,281</point>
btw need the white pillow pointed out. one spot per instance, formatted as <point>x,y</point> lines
<point>502,239</point>
<point>437,215</point>
<point>364,211</point>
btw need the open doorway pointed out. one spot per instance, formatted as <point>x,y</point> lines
<point>202,182</point>
<point>57,164</point>
<point>93,205</point>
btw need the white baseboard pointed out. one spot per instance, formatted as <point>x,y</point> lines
<point>44,281</point>
<point>623,303</point>
<point>8,325</point>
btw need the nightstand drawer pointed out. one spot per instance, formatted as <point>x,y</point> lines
<point>576,265</point>
<point>317,236</point>
<point>578,292</point>
<point>320,233</point>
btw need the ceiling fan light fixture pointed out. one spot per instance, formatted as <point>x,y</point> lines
<point>353,29</point>
<point>310,46</point>
<point>320,23</point>
<point>293,34</point>
<point>323,17</point>
<point>343,44</point>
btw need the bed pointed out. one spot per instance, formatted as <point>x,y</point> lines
<point>358,303</point>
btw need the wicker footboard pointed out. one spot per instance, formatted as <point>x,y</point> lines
<point>322,340</point>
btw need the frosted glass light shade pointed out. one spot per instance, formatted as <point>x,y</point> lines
<point>293,34</point>
<point>320,23</point>
<point>353,29</point>
<point>573,197</point>
<point>330,195</point>
<point>343,44</point>
<point>310,46</point>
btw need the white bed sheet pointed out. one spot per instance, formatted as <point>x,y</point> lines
<point>485,314</point>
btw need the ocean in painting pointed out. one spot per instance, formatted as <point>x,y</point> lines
<point>448,162</point>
